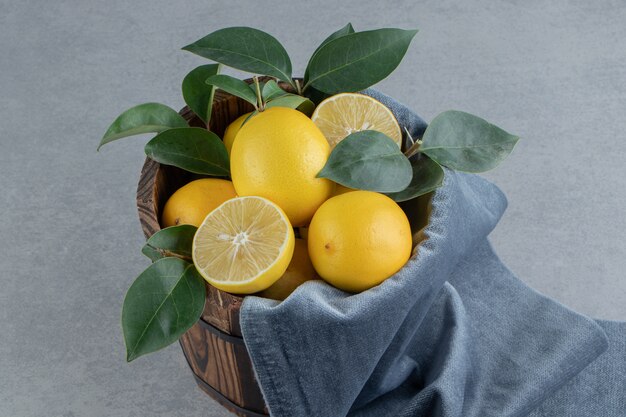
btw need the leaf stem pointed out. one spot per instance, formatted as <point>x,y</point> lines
<point>259,98</point>
<point>291,82</point>
<point>415,144</point>
<point>414,149</point>
<point>167,253</point>
<point>298,87</point>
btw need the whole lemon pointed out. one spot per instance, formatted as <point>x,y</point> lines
<point>232,130</point>
<point>299,271</point>
<point>277,155</point>
<point>359,239</point>
<point>191,203</point>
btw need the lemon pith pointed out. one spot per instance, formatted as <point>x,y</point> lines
<point>244,245</point>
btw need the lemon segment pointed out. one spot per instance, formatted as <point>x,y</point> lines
<point>244,245</point>
<point>346,113</point>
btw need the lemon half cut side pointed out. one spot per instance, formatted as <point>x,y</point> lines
<point>244,245</point>
<point>342,114</point>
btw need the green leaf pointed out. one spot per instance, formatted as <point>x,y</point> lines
<point>315,95</point>
<point>271,90</point>
<point>163,303</point>
<point>191,148</point>
<point>427,176</point>
<point>368,160</point>
<point>358,60</point>
<point>293,101</point>
<point>346,30</point>
<point>233,86</point>
<point>152,253</point>
<point>245,49</point>
<point>465,142</point>
<point>144,118</point>
<point>173,241</point>
<point>197,93</point>
<point>307,107</point>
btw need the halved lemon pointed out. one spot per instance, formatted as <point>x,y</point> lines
<point>244,245</point>
<point>346,113</point>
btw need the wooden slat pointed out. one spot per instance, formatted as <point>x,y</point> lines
<point>224,365</point>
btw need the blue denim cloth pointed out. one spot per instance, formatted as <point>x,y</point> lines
<point>453,333</point>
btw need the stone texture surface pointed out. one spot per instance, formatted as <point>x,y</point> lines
<point>553,72</point>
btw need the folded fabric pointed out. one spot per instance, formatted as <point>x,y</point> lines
<point>453,333</point>
<point>600,389</point>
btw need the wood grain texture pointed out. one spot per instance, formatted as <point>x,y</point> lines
<point>218,359</point>
<point>222,361</point>
<point>222,311</point>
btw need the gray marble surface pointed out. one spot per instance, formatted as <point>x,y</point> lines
<point>552,72</point>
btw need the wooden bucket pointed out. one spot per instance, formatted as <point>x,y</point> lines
<point>214,346</point>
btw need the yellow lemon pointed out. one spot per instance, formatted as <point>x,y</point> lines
<point>232,130</point>
<point>299,271</point>
<point>192,202</point>
<point>346,113</point>
<point>303,231</point>
<point>342,189</point>
<point>277,155</point>
<point>359,239</point>
<point>244,245</point>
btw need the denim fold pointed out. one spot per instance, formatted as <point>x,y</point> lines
<point>453,333</point>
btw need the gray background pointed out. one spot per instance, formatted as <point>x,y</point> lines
<point>551,71</point>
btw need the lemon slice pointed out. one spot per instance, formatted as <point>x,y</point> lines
<point>244,245</point>
<point>346,113</point>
